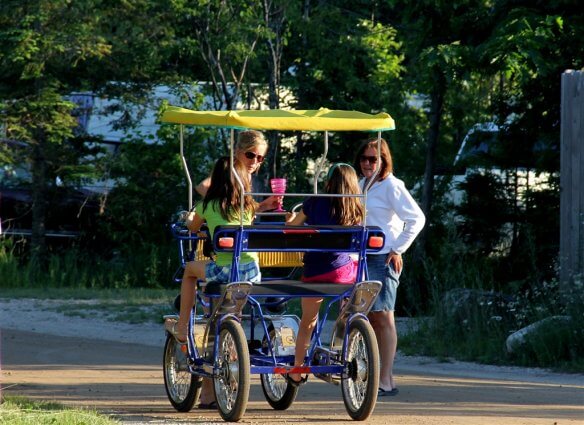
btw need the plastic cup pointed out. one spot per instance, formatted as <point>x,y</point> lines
<point>278,186</point>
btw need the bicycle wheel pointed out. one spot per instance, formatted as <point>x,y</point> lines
<point>278,392</point>
<point>232,384</point>
<point>182,387</point>
<point>360,387</point>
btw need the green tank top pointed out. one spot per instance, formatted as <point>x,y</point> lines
<point>212,216</point>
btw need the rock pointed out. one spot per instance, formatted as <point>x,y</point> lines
<point>517,340</point>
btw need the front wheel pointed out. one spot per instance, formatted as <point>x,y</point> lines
<point>362,356</point>
<point>233,363</point>
<point>182,387</point>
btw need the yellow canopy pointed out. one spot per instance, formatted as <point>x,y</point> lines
<point>278,119</point>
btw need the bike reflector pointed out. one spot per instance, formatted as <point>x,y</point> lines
<point>375,242</point>
<point>226,242</point>
<point>299,231</point>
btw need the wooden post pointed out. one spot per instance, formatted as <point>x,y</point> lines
<point>572,179</point>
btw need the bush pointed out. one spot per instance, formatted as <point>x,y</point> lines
<point>147,266</point>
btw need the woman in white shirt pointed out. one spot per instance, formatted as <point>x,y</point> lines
<point>391,207</point>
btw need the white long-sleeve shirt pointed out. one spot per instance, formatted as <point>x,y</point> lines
<point>391,207</point>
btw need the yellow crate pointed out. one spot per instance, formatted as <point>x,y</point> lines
<point>267,259</point>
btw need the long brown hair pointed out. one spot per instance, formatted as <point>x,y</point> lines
<point>343,180</point>
<point>225,190</point>
<point>386,161</point>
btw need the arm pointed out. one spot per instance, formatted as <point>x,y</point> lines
<point>410,213</point>
<point>269,203</point>
<point>295,219</point>
<point>203,187</point>
<point>194,221</point>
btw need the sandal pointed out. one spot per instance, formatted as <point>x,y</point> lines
<point>384,393</point>
<point>294,383</point>
<point>170,325</point>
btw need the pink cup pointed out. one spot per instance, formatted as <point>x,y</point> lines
<point>278,186</point>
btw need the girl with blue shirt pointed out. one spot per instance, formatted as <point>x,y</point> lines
<point>332,267</point>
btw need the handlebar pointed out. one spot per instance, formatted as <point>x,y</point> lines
<point>181,232</point>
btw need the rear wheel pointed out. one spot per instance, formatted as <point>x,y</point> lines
<point>278,392</point>
<point>360,387</point>
<point>232,383</point>
<point>182,387</point>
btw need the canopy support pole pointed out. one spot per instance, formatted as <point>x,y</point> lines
<point>321,163</point>
<point>186,167</point>
<point>234,172</point>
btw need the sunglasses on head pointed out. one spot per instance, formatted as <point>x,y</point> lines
<point>369,159</point>
<point>252,155</point>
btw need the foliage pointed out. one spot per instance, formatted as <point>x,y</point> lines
<point>48,50</point>
<point>224,35</point>
<point>145,266</point>
<point>479,331</point>
<point>483,232</point>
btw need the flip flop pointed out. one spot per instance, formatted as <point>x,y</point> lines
<point>294,383</point>
<point>208,406</point>
<point>384,393</point>
<point>171,327</point>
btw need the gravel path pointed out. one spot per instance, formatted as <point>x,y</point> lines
<point>115,368</point>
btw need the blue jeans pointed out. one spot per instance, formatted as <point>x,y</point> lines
<point>389,279</point>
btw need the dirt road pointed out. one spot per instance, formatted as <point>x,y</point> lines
<point>125,380</point>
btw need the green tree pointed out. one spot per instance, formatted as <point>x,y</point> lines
<point>40,43</point>
<point>52,49</point>
<point>440,56</point>
<point>340,56</point>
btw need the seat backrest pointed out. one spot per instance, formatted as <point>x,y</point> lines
<point>268,238</point>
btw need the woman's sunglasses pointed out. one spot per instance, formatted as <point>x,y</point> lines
<point>251,155</point>
<point>369,159</point>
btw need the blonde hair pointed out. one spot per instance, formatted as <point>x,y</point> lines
<point>249,139</point>
<point>343,180</point>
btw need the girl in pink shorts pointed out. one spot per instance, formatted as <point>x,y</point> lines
<point>330,267</point>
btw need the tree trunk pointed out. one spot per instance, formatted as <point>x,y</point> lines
<point>38,251</point>
<point>436,110</point>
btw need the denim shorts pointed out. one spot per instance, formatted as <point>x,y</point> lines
<point>389,279</point>
<point>247,272</point>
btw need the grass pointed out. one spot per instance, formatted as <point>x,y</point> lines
<point>21,411</point>
<point>476,328</point>
<point>148,266</point>
<point>139,305</point>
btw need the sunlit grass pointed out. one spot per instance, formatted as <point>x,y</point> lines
<point>21,411</point>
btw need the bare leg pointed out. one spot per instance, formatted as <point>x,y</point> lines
<point>310,307</point>
<point>194,270</point>
<point>383,323</point>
